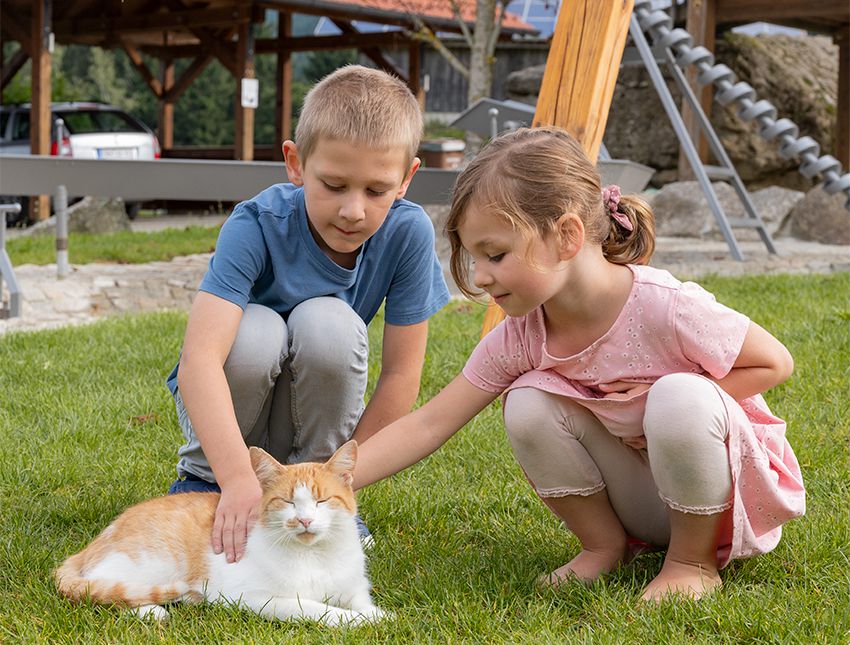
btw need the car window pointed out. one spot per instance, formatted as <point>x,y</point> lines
<point>4,122</point>
<point>21,126</point>
<point>89,121</point>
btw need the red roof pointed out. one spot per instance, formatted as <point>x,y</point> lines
<point>437,9</point>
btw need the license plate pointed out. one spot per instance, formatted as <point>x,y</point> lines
<point>116,153</point>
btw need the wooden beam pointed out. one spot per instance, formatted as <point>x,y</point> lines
<point>172,19</point>
<point>14,25</point>
<point>414,71</point>
<point>374,53</point>
<point>40,112</point>
<point>842,130</point>
<point>387,40</point>
<point>579,79</point>
<point>767,10</point>
<point>243,143</point>
<point>165,120</point>
<point>702,26</point>
<point>13,66</point>
<point>213,40</point>
<point>581,69</point>
<point>139,63</point>
<point>283,86</point>
<point>187,78</point>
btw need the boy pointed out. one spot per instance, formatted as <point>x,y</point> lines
<point>275,352</point>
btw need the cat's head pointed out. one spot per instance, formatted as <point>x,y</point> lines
<point>306,502</point>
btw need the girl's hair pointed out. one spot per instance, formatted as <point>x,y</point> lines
<point>530,178</point>
<point>360,105</point>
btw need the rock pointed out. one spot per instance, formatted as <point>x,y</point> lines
<point>798,74</point>
<point>681,209</point>
<point>89,215</point>
<point>821,218</point>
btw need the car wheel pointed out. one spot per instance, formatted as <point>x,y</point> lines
<point>132,209</point>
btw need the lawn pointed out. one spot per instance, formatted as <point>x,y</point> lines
<point>87,428</point>
<point>125,247</point>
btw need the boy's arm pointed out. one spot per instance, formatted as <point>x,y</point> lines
<point>762,363</point>
<point>417,435</point>
<point>395,393</point>
<point>212,327</point>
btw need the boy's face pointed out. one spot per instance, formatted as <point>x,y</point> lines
<point>348,190</point>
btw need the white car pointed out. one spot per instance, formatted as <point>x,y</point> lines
<point>90,131</point>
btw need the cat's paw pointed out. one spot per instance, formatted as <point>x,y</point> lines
<point>335,617</point>
<point>150,612</point>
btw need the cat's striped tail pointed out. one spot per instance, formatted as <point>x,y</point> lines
<point>76,587</point>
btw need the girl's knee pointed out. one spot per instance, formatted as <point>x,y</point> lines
<point>678,406</point>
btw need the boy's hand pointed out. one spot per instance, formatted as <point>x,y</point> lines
<point>236,513</point>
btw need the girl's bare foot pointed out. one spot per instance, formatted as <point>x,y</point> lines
<point>685,579</point>
<point>587,566</point>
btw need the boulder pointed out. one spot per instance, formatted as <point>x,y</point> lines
<point>681,209</point>
<point>89,215</point>
<point>821,218</point>
<point>798,74</point>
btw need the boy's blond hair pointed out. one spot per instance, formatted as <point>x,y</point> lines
<point>360,105</point>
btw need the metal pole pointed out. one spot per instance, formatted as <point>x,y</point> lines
<point>61,205</point>
<point>13,309</point>
<point>494,122</point>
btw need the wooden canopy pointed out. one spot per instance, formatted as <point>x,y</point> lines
<point>830,17</point>
<point>208,30</point>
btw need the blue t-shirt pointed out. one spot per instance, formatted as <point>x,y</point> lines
<point>266,254</point>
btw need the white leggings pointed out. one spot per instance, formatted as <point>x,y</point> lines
<point>565,450</point>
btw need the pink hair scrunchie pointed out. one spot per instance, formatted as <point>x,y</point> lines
<point>611,198</point>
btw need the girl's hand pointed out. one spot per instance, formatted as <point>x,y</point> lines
<point>623,390</point>
<point>638,443</point>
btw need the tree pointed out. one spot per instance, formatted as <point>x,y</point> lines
<point>481,41</point>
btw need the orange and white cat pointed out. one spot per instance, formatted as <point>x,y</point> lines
<point>303,559</point>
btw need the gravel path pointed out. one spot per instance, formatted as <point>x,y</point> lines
<point>92,291</point>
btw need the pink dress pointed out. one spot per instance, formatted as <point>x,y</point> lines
<point>665,327</point>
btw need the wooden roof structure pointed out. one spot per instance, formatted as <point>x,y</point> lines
<point>831,17</point>
<point>209,30</point>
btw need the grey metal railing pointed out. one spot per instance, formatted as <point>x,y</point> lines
<point>12,308</point>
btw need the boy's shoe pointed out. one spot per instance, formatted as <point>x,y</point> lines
<point>193,484</point>
<point>366,539</point>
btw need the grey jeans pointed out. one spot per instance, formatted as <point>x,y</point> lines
<point>297,385</point>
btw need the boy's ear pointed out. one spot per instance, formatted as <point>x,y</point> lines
<point>570,231</point>
<point>414,166</point>
<point>294,167</point>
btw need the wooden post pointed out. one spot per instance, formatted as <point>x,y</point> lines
<point>283,86</point>
<point>578,83</point>
<point>582,67</point>
<point>166,105</point>
<point>842,130</point>
<point>414,71</point>
<point>702,24</point>
<point>40,125</point>
<point>244,137</point>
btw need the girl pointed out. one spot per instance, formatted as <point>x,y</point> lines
<point>632,401</point>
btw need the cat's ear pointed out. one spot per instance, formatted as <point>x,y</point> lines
<point>342,462</point>
<point>265,466</point>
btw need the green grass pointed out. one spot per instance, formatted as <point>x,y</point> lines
<point>125,247</point>
<point>87,428</point>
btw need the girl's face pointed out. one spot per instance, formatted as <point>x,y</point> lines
<point>502,263</point>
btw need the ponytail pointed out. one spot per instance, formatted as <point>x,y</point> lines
<point>623,246</point>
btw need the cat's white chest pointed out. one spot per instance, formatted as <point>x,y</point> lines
<point>331,572</point>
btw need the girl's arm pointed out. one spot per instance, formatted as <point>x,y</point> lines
<point>762,363</point>
<point>417,435</point>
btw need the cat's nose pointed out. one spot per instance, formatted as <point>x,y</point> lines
<point>305,522</point>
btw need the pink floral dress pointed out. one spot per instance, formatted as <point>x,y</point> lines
<point>665,327</point>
